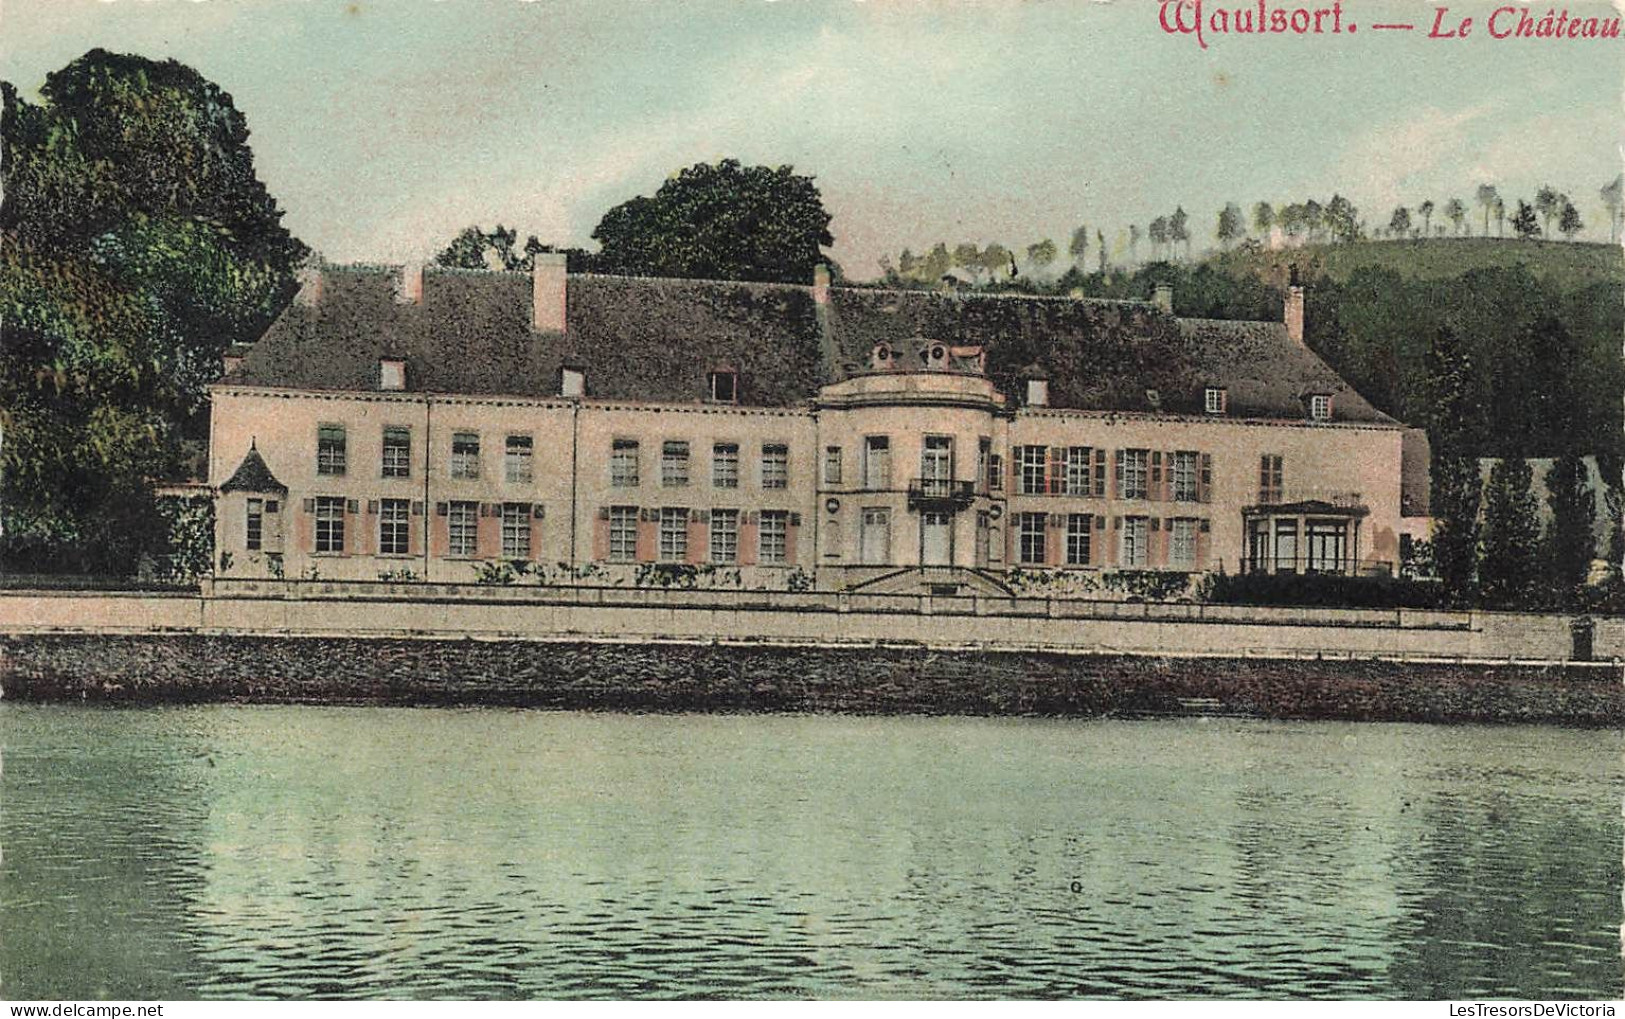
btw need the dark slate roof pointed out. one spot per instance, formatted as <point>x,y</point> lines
<point>1266,373</point>
<point>656,339</point>
<point>252,475</point>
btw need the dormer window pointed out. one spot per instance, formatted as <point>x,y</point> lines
<point>572,383</point>
<point>1320,407</point>
<point>1038,392</point>
<point>1215,400</point>
<point>723,385</point>
<point>391,374</point>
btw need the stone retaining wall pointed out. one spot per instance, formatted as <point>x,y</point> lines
<point>709,677</point>
<point>445,610</point>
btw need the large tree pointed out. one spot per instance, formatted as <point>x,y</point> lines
<point>1488,197</point>
<point>720,221</point>
<point>1523,221</point>
<point>1613,197</point>
<point>1570,543</point>
<point>138,245</point>
<point>1456,490</point>
<point>1548,203</point>
<point>1179,229</point>
<point>1456,213</point>
<point>1509,568</point>
<point>1231,225</point>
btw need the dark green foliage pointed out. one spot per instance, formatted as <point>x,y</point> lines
<point>474,248</point>
<point>1453,433</point>
<point>1569,545</point>
<point>720,221</point>
<point>1509,566</point>
<point>137,246</point>
<point>1319,589</point>
<point>1523,221</point>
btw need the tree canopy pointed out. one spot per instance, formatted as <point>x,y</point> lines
<point>138,245</point>
<point>720,221</point>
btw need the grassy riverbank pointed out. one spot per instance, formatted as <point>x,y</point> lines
<point>732,678</point>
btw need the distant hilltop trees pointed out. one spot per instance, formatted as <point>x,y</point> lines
<point>1552,213</point>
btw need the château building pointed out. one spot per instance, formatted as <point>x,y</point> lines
<point>428,424</point>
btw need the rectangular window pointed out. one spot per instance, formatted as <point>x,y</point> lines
<point>832,465</point>
<point>623,463</point>
<point>397,453</point>
<point>516,530</point>
<point>937,459</point>
<point>725,465</point>
<point>465,455</point>
<point>1182,543</point>
<point>674,464</point>
<point>1326,546</point>
<point>775,466</point>
<point>1078,534</point>
<point>1030,536</point>
<point>1033,464</point>
<point>394,526</point>
<point>1269,479</point>
<point>1183,467</point>
<point>330,451</point>
<point>623,534</point>
<point>1286,546</point>
<point>773,537</point>
<point>516,459</point>
<point>254,535</point>
<point>1079,464</point>
<point>1132,471</point>
<point>984,451</point>
<point>877,463</point>
<point>1136,545</point>
<point>874,539</point>
<point>463,527</point>
<point>329,523</point>
<point>1213,400</point>
<point>673,534</point>
<point>995,472</point>
<point>1320,407</point>
<point>724,387</point>
<point>724,536</point>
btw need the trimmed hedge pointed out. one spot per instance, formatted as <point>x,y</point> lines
<point>1326,590</point>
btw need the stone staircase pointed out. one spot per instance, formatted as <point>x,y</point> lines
<point>938,580</point>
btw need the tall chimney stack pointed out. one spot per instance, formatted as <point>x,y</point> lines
<point>1163,297</point>
<point>548,284</point>
<point>310,286</point>
<point>1293,312</point>
<point>820,286</point>
<point>411,286</point>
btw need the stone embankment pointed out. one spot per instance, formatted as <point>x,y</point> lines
<point>676,676</point>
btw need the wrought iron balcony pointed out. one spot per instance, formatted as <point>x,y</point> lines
<point>939,494</point>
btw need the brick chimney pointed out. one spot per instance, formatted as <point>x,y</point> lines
<point>1163,297</point>
<point>1294,313</point>
<point>820,286</point>
<point>310,286</point>
<point>548,283</point>
<point>410,290</point>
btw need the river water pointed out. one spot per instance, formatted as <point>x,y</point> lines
<point>231,851</point>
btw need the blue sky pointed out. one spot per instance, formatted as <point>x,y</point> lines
<point>384,126</point>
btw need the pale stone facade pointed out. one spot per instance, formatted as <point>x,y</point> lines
<point>910,469</point>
